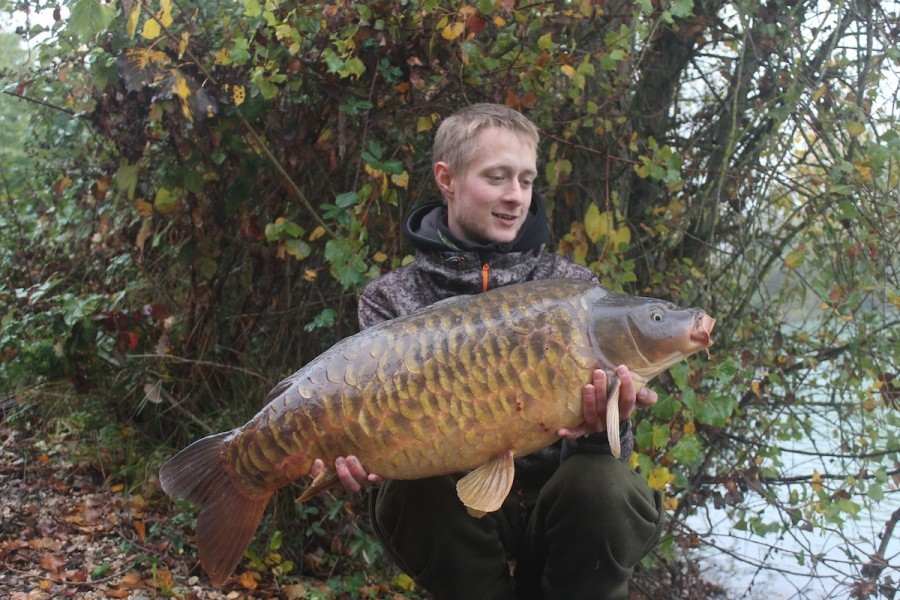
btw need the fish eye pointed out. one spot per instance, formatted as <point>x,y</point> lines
<point>657,315</point>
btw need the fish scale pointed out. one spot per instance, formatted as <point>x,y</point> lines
<point>468,383</point>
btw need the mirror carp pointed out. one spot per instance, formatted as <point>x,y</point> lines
<point>470,382</point>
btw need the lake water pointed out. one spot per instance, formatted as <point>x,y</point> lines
<point>806,563</point>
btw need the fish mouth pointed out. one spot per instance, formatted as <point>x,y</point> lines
<point>703,326</point>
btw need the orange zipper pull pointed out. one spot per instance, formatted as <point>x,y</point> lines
<point>485,276</point>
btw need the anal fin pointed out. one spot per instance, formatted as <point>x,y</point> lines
<point>484,489</point>
<point>325,480</point>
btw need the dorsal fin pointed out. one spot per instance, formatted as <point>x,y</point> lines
<point>484,489</point>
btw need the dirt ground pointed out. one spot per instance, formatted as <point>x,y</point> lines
<point>65,532</point>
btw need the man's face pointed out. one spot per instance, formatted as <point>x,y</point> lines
<point>489,202</point>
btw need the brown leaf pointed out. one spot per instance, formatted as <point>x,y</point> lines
<point>141,530</point>
<point>52,562</point>
<point>248,580</point>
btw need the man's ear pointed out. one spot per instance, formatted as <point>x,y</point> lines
<point>443,176</point>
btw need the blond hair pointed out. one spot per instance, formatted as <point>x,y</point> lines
<point>454,142</point>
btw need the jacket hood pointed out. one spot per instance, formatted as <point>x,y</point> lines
<point>427,229</point>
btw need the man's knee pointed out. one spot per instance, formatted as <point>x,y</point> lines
<point>600,500</point>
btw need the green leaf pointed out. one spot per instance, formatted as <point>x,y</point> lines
<point>643,434</point>
<point>165,201</point>
<point>89,18</point>
<point>126,178</point>
<point>252,8</point>
<point>660,436</point>
<point>297,248</point>
<point>876,492</point>
<point>666,408</point>
<point>323,320</point>
<point>715,410</point>
<point>687,450</point>
<point>682,8</point>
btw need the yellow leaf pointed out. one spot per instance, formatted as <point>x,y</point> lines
<point>401,180</point>
<point>165,12</point>
<point>133,17</point>
<point>425,123</point>
<point>819,93</point>
<point>816,481</point>
<point>670,503</point>
<point>151,29</point>
<point>404,582</point>
<point>144,208</point>
<point>238,93</point>
<point>453,31</point>
<point>689,428</point>
<point>634,460</point>
<point>568,71</point>
<point>659,477</point>
<point>594,225</point>
<point>183,43</point>
<point>222,56</point>
<point>316,233</point>
<point>181,89</point>
<point>380,257</point>
<point>855,128</point>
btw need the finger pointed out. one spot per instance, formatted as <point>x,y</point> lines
<point>345,476</point>
<point>317,467</point>
<point>572,434</point>
<point>589,406</point>
<point>647,397</point>
<point>356,469</point>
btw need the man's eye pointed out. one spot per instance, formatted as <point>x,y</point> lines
<point>527,182</point>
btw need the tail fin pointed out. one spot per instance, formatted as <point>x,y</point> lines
<point>228,515</point>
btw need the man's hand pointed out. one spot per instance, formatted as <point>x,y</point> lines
<point>593,402</point>
<point>350,473</point>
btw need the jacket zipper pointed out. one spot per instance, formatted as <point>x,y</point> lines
<point>485,276</point>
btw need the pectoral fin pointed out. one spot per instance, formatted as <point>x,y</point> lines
<point>612,417</point>
<point>484,489</point>
<point>325,480</point>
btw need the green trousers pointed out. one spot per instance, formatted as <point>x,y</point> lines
<point>578,536</point>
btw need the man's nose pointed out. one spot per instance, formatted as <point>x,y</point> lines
<point>514,191</point>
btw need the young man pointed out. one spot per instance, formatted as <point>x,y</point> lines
<point>577,520</point>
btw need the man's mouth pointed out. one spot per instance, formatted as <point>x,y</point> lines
<point>505,217</point>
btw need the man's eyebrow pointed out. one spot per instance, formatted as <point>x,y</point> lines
<point>507,167</point>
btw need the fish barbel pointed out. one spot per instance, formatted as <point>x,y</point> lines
<point>468,383</point>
